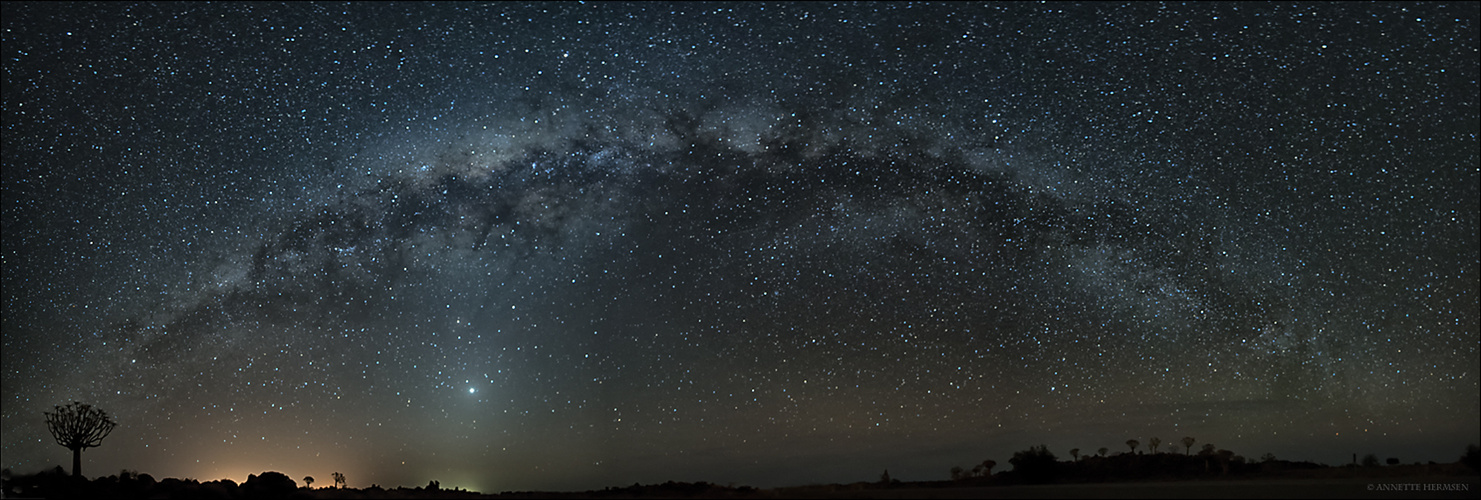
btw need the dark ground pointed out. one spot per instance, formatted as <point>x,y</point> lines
<point>1461,487</point>
<point>1410,481</point>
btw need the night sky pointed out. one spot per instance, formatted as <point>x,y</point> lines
<point>567,246</point>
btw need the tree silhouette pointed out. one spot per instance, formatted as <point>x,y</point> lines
<point>1075,453</point>
<point>957,473</point>
<point>308,482</point>
<point>1133,444</point>
<point>1224,457</point>
<point>1188,445</point>
<point>1103,451</point>
<point>78,426</point>
<point>339,480</point>
<point>1154,444</point>
<point>987,466</point>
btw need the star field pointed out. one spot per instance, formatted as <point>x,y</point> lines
<point>567,246</point>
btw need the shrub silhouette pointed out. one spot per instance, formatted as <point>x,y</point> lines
<point>79,426</point>
<point>1472,458</point>
<point>269,485</point>
<point>983,469</point>
<point>1035,465</point>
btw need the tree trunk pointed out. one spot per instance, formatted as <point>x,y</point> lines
<point>77,462</point>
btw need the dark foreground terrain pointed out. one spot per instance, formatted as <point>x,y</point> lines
<point>1426,487</point>
<point>1412,481</point>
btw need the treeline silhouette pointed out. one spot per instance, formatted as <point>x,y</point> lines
<point>130,485</point>
<point>57,483</point>
<point>1035,465</point>
<point>1038,465</point>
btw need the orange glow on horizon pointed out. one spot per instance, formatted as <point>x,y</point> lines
<point>238,466</point>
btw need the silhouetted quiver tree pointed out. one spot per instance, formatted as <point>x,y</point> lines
<point>78,426</point>
<point>1188,445</point>
<point>1133,444</point>
<point>1154,444</point>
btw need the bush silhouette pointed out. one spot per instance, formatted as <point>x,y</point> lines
<point>1035,465</point>
<point>269,485</point>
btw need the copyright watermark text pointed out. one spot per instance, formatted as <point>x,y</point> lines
<point>1419,487</point>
